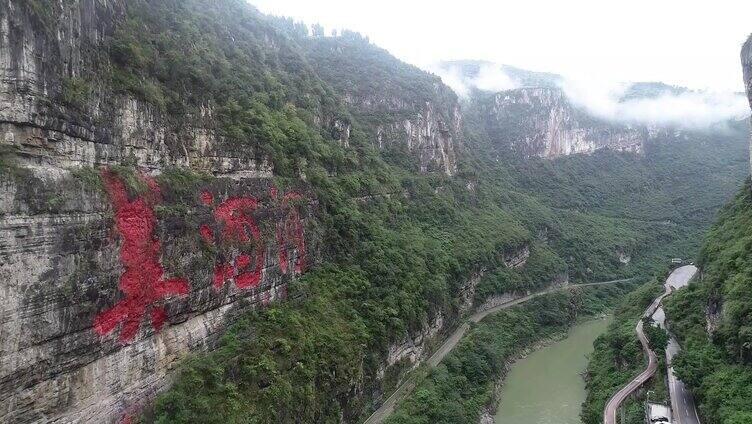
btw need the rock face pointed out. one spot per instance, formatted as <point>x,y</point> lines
<point>624,257</point>
<point>103,293</point>
<point>429,131</point>
<point>516,258</point>
<point>114,128</point>
<point>130,238</point>
<point>543,122</point>
<point>467,292</point>
<point>110,275</point>
<point>747,72</point>
<point>502,298</point>
<point>427,135</point>
<point>398,106</point>
<point>414,347</point>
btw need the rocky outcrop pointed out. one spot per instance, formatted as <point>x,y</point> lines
<point>398,106</point>
<point>131,238</point>
<point>623,257</point>
<point>103,294</point>
<point>502,298</point>
<point>414,347</point>
<point>431,136</point>
<point>746,56</point>
<point>428,136</point>
<point>543,122</point>
<point>35,68</point>
<point>467,292</point>
<point>516,258</point>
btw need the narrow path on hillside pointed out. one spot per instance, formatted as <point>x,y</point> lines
<point>678,278</point>
<point>408,385</point>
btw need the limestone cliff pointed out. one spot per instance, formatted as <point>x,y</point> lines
<point>746,56</point>
<point>38,70</point>
<point>110,274</point>
<point>747,72</point>
<point>132,231</point>
<point>398,106</point>
<point>543,122</point>
<point>431,137</point>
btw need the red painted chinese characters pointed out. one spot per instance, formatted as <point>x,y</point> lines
<point>238,225</point>
<point>291,227</point>
<point>234,214</point>
<point>142,282</point>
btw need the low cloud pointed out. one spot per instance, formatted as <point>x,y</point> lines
<point>489,78</point>
<point>660,107</point>
<point>692,109</point>
<point>454,79</point>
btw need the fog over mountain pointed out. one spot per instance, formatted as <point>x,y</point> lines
<point>693,44</point>
<point>641,103</point>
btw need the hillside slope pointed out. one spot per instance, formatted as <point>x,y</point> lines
<point>209,215</point>
<point>712,317</point>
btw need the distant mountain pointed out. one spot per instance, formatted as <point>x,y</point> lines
<point>651,90</point>
<point>547,115</point>
<point>471,69</point>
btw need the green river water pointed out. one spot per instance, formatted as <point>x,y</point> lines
<point>546,387</point>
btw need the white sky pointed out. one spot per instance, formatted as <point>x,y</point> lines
<point>682,42</point>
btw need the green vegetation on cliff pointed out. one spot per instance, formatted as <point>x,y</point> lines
<point>396,246</point>
<point>717,366</point>
<point>711,321</point>
<point>460,388</point>
<point>618,357</point>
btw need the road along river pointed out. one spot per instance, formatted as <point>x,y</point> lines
<point>546,387</point>
<point>386,409</point>
<point>680,277</point>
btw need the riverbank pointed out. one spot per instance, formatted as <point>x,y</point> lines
<point>490,410</point>
<point>545,385</point>
<point>618,357</point>
<point>462,387</point>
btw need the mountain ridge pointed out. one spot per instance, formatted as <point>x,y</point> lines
<point>208,213</point>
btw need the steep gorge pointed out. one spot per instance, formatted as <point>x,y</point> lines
<point>710,318</point>
<point>289,220</point>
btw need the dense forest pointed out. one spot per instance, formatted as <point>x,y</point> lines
<point>711,318</point>
<point>463,385</point>
<point>399,242</point>
<point>395,262</point>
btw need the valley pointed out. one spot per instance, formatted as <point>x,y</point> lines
<point>210,214</point>
<point>679,278</point>
<point>404,389</point>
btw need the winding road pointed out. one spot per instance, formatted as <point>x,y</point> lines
<point>679,278</point>
<point>682,401</point>
<point>409,384</point>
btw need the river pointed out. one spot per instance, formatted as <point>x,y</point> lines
<point>546,386</point>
